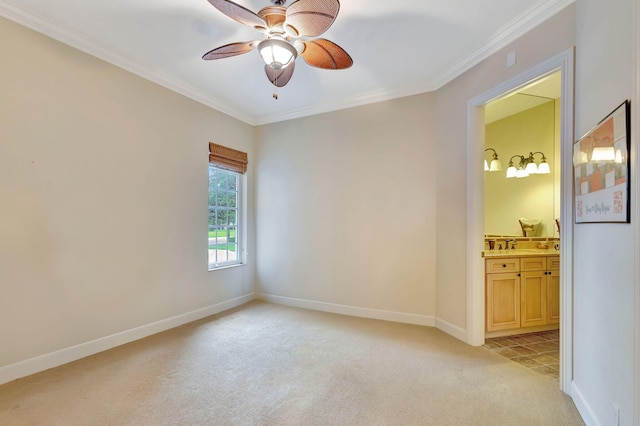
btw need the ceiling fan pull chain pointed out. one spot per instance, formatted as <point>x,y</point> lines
<point>275,94</point>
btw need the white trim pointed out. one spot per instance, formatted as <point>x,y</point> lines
<point>529,19</point>
<point>353,311</point>
<point>475,221</point>
<point>475,205</point>
<point>525,22</point>
<point>451,329</point>
<point>566,222</point>
<point>635,164</point>
<point>100,50</point>
<point>73,353</point>
<point>588,416</point>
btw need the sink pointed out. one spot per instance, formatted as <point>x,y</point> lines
<point>520,252</point>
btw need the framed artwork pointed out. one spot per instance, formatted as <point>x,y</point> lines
<point>601,170</point>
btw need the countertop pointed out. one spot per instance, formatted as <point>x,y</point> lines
<point>496,254</point>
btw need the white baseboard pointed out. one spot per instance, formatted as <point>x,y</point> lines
<point>351,310</point>
<point>452,330</point>
<point>588,416</point>
<point>73,353</point>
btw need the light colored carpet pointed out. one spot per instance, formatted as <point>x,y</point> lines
<point>265,364</point>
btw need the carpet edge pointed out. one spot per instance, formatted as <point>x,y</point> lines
<point>63,356</point>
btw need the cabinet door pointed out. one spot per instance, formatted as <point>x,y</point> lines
<point>533,290</point>
<point>553,297</point>
<point>503,301</point>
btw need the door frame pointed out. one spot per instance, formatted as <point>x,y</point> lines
<point>563,62</point>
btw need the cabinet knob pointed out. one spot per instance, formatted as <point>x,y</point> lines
<point>504,265</point>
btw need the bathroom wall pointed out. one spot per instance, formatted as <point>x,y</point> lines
<point>507,200</point>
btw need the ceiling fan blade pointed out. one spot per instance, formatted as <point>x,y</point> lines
<point>228,50</point>
<point>325,54</point>
<point>280,78</point>
<point>310,18</point>
<point>239,13</point>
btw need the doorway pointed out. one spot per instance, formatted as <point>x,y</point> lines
<point>522,210</point>
<point>562,63</point>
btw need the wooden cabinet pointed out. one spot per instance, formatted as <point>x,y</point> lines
<point>534,291</point>
<point>522,292</point>
<point>553,294</point>
<point>503,301</point>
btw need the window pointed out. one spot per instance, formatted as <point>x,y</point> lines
<point>225,215</point>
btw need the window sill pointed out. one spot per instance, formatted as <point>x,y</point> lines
<point>226,267</point>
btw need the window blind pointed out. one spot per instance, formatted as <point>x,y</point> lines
<point>228,158</point>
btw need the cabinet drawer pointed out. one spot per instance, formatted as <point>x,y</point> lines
<point>553,263</point>
<point>493,266</point>
<point>533,264</point>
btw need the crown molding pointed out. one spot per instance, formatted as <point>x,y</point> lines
<point>533,16</point>
<point>365,98</point>
<point>525,22</point>
<point>99,50</point>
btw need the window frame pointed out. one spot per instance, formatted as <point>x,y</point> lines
<point>240,222</point>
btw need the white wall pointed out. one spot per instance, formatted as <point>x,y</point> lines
<point>545,41</point>
<point>103,199</point>
<point>604,254</point>
<point>345,210</point>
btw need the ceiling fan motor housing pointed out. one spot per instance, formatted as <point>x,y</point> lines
<point>287,32</point>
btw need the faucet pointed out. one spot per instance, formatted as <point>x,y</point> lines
<point>513,244</point>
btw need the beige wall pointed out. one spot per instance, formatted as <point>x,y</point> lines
<point>548,39</point>
<point>605,255</point>
<point>345,208</point>
<point>507,200</point>
<point>103,206</point>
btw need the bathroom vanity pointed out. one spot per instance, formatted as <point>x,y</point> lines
<point>522,290</point>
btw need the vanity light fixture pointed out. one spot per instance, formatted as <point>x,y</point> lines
<point>496,165</point>
<point>540,169</point>
<point>519,171</point>
<point>527,166</point>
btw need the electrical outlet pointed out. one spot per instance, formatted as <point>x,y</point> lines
<point>616,415</point>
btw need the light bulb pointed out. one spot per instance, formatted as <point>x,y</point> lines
<point>544,168</point>
<point>531,168</point>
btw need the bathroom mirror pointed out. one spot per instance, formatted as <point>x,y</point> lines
<point>517,125</point>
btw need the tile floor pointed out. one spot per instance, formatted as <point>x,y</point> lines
<point>537,351</point>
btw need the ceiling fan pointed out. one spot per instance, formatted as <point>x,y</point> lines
<point>286,30</point>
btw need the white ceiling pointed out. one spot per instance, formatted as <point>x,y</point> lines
<point>399,47</point>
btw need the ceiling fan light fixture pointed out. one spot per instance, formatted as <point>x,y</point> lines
<point>276,53</point>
